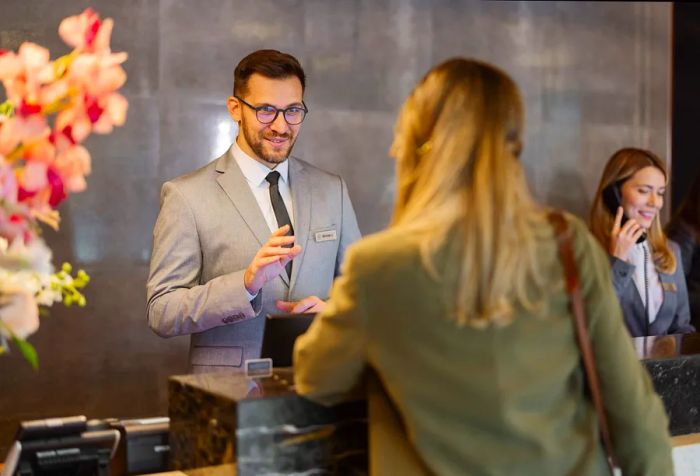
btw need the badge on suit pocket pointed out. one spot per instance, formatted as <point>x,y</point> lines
<point>325,235</point>
<point>670,287</point>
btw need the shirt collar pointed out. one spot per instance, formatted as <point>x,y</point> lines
<point>254,171</point>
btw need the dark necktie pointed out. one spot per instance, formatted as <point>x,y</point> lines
<point>280,210</point>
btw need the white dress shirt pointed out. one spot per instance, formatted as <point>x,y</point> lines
<point>656,293</point>
<point>255,173</point>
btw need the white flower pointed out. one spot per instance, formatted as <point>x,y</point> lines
<point>18,256</point>
<point>28,268</point>
<point>18,313</point>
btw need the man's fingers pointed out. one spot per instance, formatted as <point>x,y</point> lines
<point>281,231</point>
<point>279,251</point>
<point>293,253</point>
<point>280,240</point>
<point>294,306</point>
<point>310,304</point>
<point>303,305</point>
<point>285,306</point>
<point>262,262</point>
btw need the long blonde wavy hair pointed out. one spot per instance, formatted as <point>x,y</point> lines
<point>620,167</point>
<point>456,145</point>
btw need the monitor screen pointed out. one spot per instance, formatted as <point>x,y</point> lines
<point>281,330</point>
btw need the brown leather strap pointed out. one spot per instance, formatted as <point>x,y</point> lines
<point>573,289</point>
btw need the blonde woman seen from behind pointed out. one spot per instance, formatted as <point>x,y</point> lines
<point>460,311</point>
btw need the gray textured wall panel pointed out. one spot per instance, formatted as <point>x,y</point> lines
<point>594,77</point>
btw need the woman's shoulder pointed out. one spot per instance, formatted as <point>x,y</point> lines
<point>587,250</point>
<point>674,245</point>
<point>578,229</point>
<point>387,248</point>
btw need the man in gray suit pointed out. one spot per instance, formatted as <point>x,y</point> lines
<point>254,232</point>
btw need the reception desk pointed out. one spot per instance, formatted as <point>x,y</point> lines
<point>265,427</point>
<point>673,362</point>
<point>262,425</point>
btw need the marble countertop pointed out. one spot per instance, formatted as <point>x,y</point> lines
<point>238,387</point>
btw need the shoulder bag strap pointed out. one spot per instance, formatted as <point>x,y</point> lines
<point>573,289</point>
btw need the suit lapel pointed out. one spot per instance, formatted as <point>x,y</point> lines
<point>665,304</point>
<point>233,182</point>
<point>301,195</point>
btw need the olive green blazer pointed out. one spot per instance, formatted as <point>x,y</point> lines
<point>499,401</point>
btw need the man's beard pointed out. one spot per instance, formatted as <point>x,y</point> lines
<point>257,143</point>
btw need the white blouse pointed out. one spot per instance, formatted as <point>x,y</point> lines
<point>656,293</point>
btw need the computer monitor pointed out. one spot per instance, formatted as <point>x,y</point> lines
<point>281,330</point>
<point>68,449</point>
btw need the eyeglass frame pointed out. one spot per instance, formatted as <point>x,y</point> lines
<point>277,111</point>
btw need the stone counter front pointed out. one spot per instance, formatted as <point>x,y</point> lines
<point>262,425</point>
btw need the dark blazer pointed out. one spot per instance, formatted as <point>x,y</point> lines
<point>673,316</point>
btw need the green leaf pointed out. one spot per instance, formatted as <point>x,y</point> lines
<point>6,109</point>
<point>28,351</point>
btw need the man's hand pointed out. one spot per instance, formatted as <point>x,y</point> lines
<point>623,238</point>
<point>310,304</point>
<point>270,260</point>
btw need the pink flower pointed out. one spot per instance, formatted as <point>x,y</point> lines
<point>23,74</point>
<point>44,199</point>
<point>16,223</point>
<point>113,113</point>
<point>72,166</point>
<point>10,66</point>
<point>56,189</point>
<point>75,120</point>
<point>98,74</point>
<point>85,32</point>
<point>8,183</point>
<point>92,114</point>
<point>18,129</point>
<point>100,108</point>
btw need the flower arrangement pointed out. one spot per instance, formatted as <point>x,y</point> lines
<point>51,107</point>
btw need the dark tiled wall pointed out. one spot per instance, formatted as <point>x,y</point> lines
<point>686,100</point>
<point>594,77</point>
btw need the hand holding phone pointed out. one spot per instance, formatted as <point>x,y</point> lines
<point>624,236</point>
<point>612,198</point>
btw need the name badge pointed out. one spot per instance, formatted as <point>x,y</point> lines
<point>326,235</point>
<point>670,287</point>
<point>258,367</point>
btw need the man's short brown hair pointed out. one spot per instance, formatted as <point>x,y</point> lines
<point>269,63</point>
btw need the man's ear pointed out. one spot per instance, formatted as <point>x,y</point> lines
<point>234,108</point>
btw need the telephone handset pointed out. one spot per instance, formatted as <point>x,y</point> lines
<point>612,200</point>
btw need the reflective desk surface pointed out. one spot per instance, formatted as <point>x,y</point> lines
<point>666,347</point>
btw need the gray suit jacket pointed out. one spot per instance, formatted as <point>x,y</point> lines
<point>673,316</point>
<point>208,231</point>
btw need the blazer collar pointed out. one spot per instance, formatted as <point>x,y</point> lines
<point>301,187</point>
<point>234,183</point>
<point>658,325</point>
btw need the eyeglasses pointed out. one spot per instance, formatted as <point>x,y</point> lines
<point>267,114</point>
